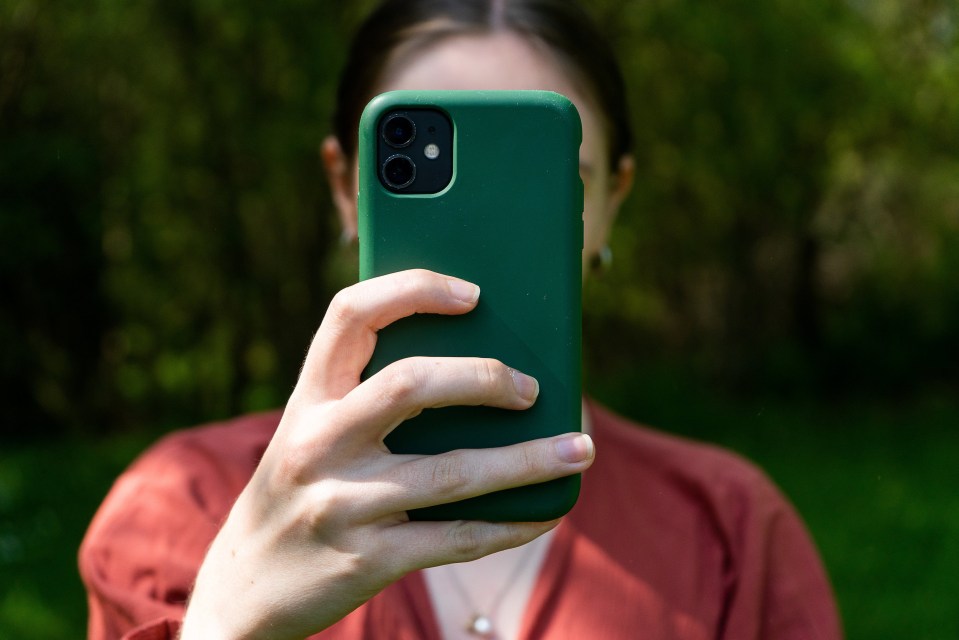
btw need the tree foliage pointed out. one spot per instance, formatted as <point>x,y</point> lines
<point>168,246</point>
<point>797,204</point>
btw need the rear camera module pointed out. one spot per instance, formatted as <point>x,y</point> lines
<point>414,150</point>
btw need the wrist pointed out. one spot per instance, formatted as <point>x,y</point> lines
<point>218,606</point>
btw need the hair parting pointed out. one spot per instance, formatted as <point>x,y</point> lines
<point>398,29</point>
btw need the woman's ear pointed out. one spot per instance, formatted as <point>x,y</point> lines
<point>620,184</point>
<point>342,177</point>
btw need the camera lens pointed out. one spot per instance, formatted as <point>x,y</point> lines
<point>398,130</point>
<point>398,172</point>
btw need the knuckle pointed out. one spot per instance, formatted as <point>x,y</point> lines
<point>326,505</point>
<point>418,275</point>
<point>297,449</point>
<point>410,281</point>
<point>343,307</point>
<point>529,461</point>
<point>450,473</point>
<point>296,464</point>
<point>403,381</point>
<point>491,372</point>
<point>464,541</point>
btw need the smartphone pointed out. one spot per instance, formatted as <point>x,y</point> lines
<point>484,186</point>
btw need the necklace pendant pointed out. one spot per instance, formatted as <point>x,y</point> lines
<point>480,626</point>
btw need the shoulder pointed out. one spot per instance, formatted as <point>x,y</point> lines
<point>230,449</point>
<point>711,494</point>
<point>197,471</point>
<point>713,472</point>
<point>141,552</point>
<point>708,527</point>
<point>209,464</point>
<point>234,437</point>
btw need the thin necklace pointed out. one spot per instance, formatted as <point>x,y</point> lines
<point>481,624</point>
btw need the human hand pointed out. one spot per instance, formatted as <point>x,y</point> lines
<point>322,527</point>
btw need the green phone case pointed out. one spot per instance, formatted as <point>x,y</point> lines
<point>511,222</point>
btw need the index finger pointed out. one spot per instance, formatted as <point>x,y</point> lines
<point>345,340</point>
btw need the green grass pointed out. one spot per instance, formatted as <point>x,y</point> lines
<point>48,493</point>
<point>875,481</point>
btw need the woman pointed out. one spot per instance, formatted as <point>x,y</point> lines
<point>670,539</point>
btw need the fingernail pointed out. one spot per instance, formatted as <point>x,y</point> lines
<point>465,291</point>
<point>575,448</point>
<point>527,387</point>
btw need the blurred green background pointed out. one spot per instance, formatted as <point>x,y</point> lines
<point>784,279</point>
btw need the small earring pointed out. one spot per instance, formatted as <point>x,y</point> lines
<point>602,259</point>
<point>606,257</point>
<point>347,238</point>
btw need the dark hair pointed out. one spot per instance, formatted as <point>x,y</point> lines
<point>412,25</point>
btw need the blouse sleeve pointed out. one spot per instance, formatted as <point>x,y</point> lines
<point>778,588</point>
<point>143,549</point>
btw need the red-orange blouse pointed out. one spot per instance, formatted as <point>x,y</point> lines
<point>670,539</point>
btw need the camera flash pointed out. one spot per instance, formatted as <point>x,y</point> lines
<point>431,151</point>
